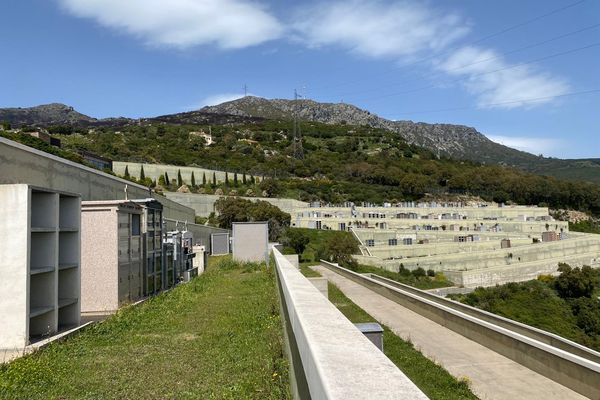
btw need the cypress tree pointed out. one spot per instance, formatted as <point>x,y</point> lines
<point>214,183</point>
<point>179,178</point>
<point>244,179</point>
<point>235,179</point>
<point>226,179</point>
<point>193,180</point>
<point>204,179</point>
<point>126,172</point>
<point>167,181</point>
<point>142,174</point>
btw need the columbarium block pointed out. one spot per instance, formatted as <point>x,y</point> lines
<point>40,263</point>
<point>111,262</point>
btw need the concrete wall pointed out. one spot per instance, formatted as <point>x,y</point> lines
<point>589,244</point>
<point>329,357</point>
<point>250,241</point>
<point>153,171</point>
<point>23,164</point>
<point>561,360</point>
<point>204,204</point>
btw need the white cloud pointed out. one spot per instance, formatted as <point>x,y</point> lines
<point>534,145</point>
<point>215,99</point>
<point>498,84</point>
<point>375,29</point>
<point>228,24</point>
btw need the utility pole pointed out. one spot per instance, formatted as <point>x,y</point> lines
<point>298,149</point>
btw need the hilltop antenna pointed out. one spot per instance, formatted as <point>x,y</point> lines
<point>298,150</point>
<point>245,90</point>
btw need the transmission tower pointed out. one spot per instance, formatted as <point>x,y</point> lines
<point>298,149</point>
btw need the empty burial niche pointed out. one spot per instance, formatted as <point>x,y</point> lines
<point>373,331</point>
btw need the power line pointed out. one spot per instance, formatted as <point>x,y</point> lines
<point>508,29</point>
<point>530,100</point>
<point>488,72</point>
<point>530,46</point>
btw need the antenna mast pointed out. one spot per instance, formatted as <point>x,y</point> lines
<point>298,149</point>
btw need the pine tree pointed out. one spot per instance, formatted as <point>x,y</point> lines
<point>244,179</point>
<point>204,179</point>
<point>142,175</point>
<point>193,180</point>
<point>179,178</point>
<point>127,176</point>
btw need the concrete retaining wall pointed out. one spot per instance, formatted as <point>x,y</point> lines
<point>576,368</point>
<point>23,164</point>
<point>204,204</point>
<point>153,171</point>
<point>330,357</point>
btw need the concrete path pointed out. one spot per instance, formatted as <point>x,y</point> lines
<point>492,375</point>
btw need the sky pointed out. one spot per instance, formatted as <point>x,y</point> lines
<point>526,73</point>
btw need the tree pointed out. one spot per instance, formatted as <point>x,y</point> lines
<point>193,180</point>
<point>6,125</point>
<point>214,182</point>
<point>167,181</point>
<point>244,179</point>
<point>226,179</point>
<point>235,209</point>
<point>235,179</point>
<point>204,179</point>
<point>296,239</point>
<point>126,175</point>
<point>271,186</point>
<point>161,180</point>
<point>179,178</point>
<point>142,174</point>
<point>576,282</point>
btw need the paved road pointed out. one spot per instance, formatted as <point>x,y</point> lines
<point>492,375</point>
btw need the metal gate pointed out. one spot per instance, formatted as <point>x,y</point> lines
<point>219,244</point>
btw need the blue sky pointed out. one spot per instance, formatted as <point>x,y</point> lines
<point>515,70</point>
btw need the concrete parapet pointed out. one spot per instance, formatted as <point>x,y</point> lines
<point>561,360</point>
<point>330,357</point>
<point>321,284</point>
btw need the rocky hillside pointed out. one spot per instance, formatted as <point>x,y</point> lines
<point>47,114</point>
<point>455,141</point>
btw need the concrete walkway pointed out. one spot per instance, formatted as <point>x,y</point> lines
<point>492,375</point>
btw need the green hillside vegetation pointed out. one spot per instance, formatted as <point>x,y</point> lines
<point>341,163</point>
<point>567,305</point>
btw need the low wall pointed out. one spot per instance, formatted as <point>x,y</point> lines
<point>577,368</point>
<point>23,164</point>
<point>204,204</point>
<point>153,171</point>
<point>330,357</point>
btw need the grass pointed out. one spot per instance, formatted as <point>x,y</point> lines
<point>430,377</point>
<point>533,303</point>
<point>421,282</point>
<point>218,337</point>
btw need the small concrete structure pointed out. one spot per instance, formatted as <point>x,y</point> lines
<point>219,244</point>
<point>40,264</point>
<point>112,264</point>
<point>373,331</point>
<point>201,259</point>
<point>250,241</point>
<point>321,284</point>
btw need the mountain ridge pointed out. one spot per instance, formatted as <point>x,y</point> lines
<point>444,140</point>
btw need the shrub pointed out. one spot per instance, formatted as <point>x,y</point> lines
<point>419,272</point>
<point>430,272</point>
